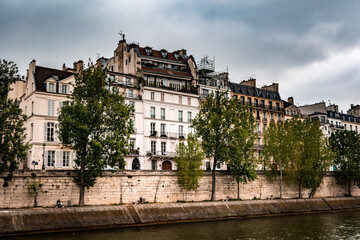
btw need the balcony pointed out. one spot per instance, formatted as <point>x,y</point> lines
<point>132,96</point>
<point>172,87</point>
<point>168,135</point>
<point>153,134</point>
<point>134,152</point>
<point>160,154</point>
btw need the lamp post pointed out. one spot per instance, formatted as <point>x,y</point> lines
<point>43,165</point>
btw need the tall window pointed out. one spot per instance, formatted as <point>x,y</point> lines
<point>50,158</point>
<point>65,158</point>
<point>270,105</point>
<point>130,93</point>
<point>64,89</point>
<point>163,148</point>
<point>180,100</point>
<point>242,100</point>
<point>162,113</point>
<point>279,117</point>
<point>153,147</point>
<point>262,104</point>
<point>258,128</point>
<point>152,129</point>
<point>277,106</point>
<point>162,128</point>
<point>257,114</point>
<point>272,116</point>
<point>264,115</point>
<point>162,97</point>
<point>132,145</point>
<point>152,112</point>
<point>50,132</point>
<point>256,102</point>
<point>51,107</point>
<point>180,115</point>
<point>152,95</point>
<point>249,101</point>
<point>189,117</point>
<point>181,131</point>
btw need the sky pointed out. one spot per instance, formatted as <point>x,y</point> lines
<point>310,47</point>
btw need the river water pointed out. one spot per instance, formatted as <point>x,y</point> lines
<point>330,225</point>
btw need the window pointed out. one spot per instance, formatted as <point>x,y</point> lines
<point>132,104</point>
<point>162,113</point>
<point>180,100</point>
<point>272,116</point>
<point>189,101</point>
<point>132,145</point>
<point>257,115</point>
<point>249,101</point>
<point>189,117</point>
<point>153,164</point>
<point>135,164</point>
<point>130,93</point>
<point>242,100</point>
<point>162,130</point>
<point>65,158</point>
<point>152,129</point>
<point>258,128</point>
<point>162,97</point>
<point>31,131</point>
<point>64,89</point>
<point>51,87</point>
<point>278,106</point>
<point>153,147</point>
<point>50,158</point>
<point>270,105</point>
<point>181,131</point>
<point>350,127</point>
<point>152,112</point>
<point>262,105</point>
<point>51,107</point>
<point>279,117</point>
<point>256,102</point>
<point>32,108</point>
<point>163,148</point>
<point>49,132</point>
<point>264,116</point>
<point>180,115</point>
<point>152,94</point>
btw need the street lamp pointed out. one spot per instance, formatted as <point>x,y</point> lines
<point>43,165</point>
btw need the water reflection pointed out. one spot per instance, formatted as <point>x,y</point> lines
<point>338,225</point>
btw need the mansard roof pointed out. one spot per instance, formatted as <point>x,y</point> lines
<point>254,91</point>
<point>44,73</point>
<point>158,54</point>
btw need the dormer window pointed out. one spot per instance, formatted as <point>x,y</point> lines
<point>176,55</point>
<point>148,51</point>
<point>51,87</point>
<point>64,89</point>
<point>163,54</point>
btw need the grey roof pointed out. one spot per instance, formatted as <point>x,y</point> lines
<point>254,91</point>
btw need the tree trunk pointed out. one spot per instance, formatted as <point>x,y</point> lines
<point>349,189</point>
<point>35,199</point>
<point>82,181</point>
<point>313,192</point>
<point>213,181</point>
<point>300,180</point>
<point>280,180</point>
<point>238,188</point>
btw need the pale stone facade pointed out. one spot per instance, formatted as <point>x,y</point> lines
<point>154,186</point>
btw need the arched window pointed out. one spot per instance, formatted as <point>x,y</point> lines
<point>135,164</point>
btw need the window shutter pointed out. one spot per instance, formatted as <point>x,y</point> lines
<point>46,158</point>
<point>58,162</point>
<point>45,131</point>
<point>72,159</point>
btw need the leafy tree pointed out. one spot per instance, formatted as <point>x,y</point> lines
<point>34,187</point>
<point>215,123</point>
<point>97,124</point>
<point>241,158</point>
<point>188,161</point>
<point>12,132</point>
<point>346,146</point>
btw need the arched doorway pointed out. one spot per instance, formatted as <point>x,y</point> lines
<point>135,164</point>
<point>166,165</point>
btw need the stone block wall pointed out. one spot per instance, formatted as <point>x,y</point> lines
<point>154,186</point>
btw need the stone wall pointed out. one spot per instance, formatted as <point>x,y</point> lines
<point>154,186</point>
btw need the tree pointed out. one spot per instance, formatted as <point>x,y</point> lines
<point>97,124</point>
<point>215,123</point>
<point>13,148</point>
<point>188,161</point>
<point>346,146</point>
<point>241,158</point>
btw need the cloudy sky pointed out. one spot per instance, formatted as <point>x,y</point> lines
<point>311,48</point>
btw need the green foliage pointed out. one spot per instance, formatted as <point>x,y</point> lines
<point>97,124</point>
<point>224,126</point>
<point>13,148</point>
<point>346,146</point>
<point>300,150</point>
<point>188,161</point>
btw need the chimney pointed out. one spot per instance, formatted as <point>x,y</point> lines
<point>251,82</point>
<point>64,67</point>
<point>273,87</point>
<point>78,65</point>
<point>291,100</point>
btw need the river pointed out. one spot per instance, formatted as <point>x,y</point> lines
<point>329,225</point>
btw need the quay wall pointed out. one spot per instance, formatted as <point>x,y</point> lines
<point>126,187</point>
<point>36,220</point>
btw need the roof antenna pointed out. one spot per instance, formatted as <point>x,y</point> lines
<point>122,36</point>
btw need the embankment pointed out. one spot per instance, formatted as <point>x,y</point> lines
<point>17,221</point>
